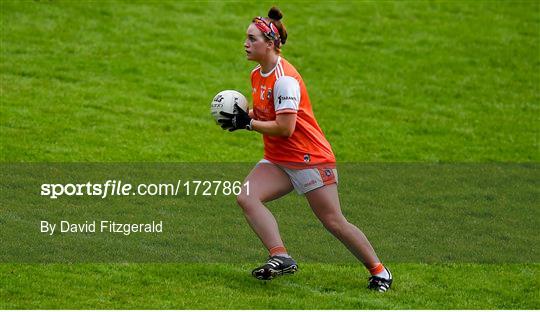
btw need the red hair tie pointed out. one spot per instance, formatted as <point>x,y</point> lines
<point>269,30</point>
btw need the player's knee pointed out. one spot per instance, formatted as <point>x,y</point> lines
<point>335,224</point>
<point>241,199</point>
<point>244,200</point>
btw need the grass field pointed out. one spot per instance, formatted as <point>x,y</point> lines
<point>410,81</point>
<point>324,286</point>
<point>403,81</point>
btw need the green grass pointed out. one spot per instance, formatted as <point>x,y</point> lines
<point>392,81</point>
<point>197,286</point>
<point>407,81</point>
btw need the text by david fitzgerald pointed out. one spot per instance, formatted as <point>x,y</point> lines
<point>101,227</point>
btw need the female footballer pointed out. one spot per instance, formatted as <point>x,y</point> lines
<point>296,155</point>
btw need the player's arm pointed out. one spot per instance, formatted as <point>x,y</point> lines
<point>286,103</point>
<point>283,125</point>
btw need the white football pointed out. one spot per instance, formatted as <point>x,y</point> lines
<point>224,102</point>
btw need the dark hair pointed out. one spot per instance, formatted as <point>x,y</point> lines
<point>275,16</point>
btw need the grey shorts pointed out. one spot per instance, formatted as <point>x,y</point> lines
<point>305,180</point>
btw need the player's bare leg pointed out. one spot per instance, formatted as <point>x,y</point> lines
<point>266,183</point>
<point>324,202</point>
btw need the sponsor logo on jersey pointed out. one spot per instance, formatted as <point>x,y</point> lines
<point>284,98</point>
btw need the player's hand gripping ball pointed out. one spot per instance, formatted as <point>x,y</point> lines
<point>230,109</point>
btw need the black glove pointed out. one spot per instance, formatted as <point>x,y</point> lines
<point>238,120</point>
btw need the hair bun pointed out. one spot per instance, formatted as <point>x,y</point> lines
<point>275,14</point>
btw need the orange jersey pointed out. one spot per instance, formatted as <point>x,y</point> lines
<point>282,91</point>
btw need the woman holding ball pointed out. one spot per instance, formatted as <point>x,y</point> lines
<point>296,155</point>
